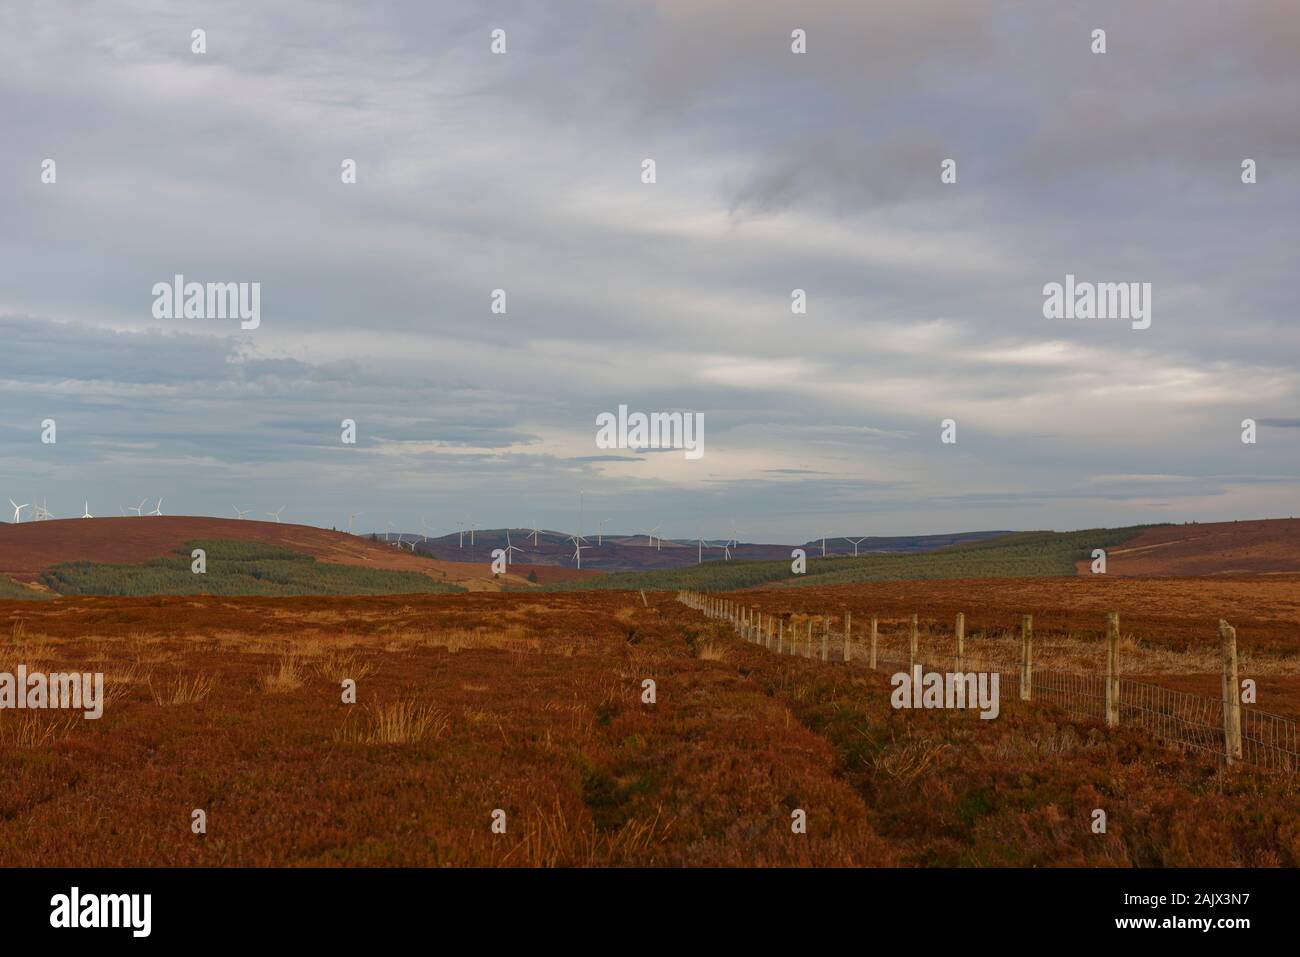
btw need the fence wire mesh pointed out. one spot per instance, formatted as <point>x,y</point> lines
<point>1178,718</point>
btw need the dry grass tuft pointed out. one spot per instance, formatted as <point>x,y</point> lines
<point>37,729</point>
<point>286,676</point>
<point>336,666</point>
<point>404,721</point>
<point>22,650</point>
<point>712,652</point>
<point>182,690</point>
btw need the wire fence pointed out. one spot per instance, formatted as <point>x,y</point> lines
<point>1223,727</point>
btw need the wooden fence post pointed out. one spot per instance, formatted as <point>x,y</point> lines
<point>1112,670</point>
<point>1231,693</point>
<point>780,635</point>
<point>873,642</point>
<point>809,654</point>
<point>848,635</point>
<point>826,639</point>
<point>913,644</point>
<point>960,632</point>
<point>1026,657</point>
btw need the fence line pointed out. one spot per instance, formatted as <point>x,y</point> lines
<point>1217,726</point>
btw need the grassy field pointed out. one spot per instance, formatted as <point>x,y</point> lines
<point>12,589</point>
<point>236,568</point>
<point>532,704</point>
<point>1018,555</point>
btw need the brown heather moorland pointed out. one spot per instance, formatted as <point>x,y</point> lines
<point>531,703</point>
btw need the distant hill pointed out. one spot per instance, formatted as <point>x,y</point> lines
<point>1267,546</point>
<point>628,553</point>
<point>1016,555</point>
<point>29,549</point>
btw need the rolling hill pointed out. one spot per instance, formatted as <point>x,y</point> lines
<point>1267,546</point>
<point>29,549</point>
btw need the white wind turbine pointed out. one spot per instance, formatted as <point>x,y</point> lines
<point>577,548</point>
<point>86,511</point>
<point>157,509</point>
<point>460,542</point>
<point>650,536</point>
<point>425,526</point>
<point>388,529</point>
<point>43,514</point>
<point>240,512</point>
<point>510,547</point>
<point>534,533</point>
<point>352,517</point>
<point>138,509</point>
<point>823,546</point>
<point>600,536</point>
<point>18,509</point>
<point>276,514</point>
<point>855,543</point>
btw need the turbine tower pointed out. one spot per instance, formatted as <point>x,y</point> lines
<point>18,510</point>
<point>86,511</point>
<point>276,514</point>
<point>510,547</point>
<point>577,548</point>
<point>855,543</point>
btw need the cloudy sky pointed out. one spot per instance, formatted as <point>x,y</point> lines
<point>775,171</point>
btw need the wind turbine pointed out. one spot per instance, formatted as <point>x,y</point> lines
<point>18,510</point>
<point>351,518</point>
<point>650,536</point>
<point>86,511</point>
<point>534,534</point>
<point>460,542</point>
<point>600,536</point>
<point>855,543</point>
<point>157,509</point>
<point>699,552</point>
<point>276,514</point>
<point>388,529</point>
<point>577,548</point>
<point>424,525</point>
<point>138,509</point>
<point>509,547</point>
<point>240,512</point>
<point>823,546</point>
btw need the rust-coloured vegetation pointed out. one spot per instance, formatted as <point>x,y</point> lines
<point>532,704</point>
